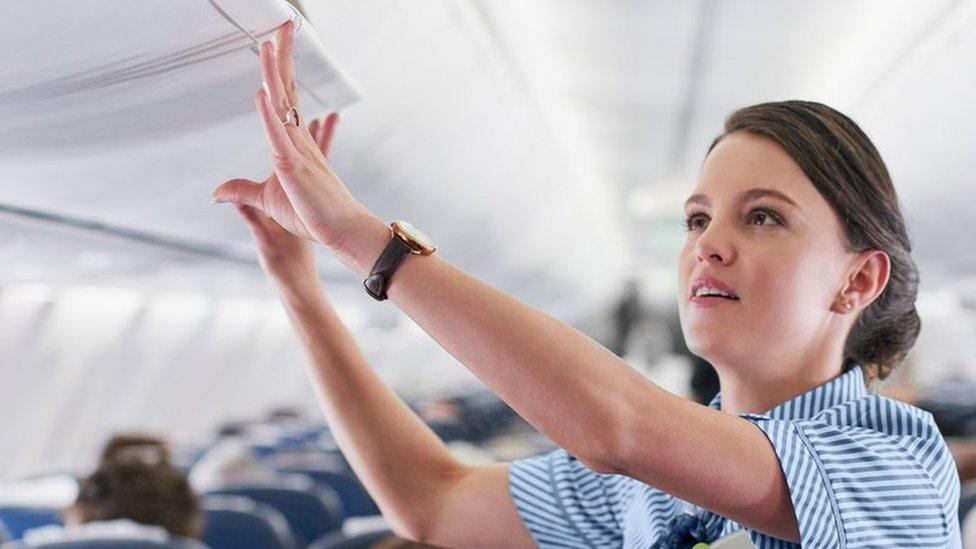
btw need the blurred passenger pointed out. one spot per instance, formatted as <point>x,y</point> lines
<point>136,447</point>
<point>625,316</point>
<point>229,462</point>
<point>128,499</point>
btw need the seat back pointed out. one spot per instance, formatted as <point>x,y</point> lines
<point>233,522</point>
<point>356,501</point>
<point>122,543</point>
<point>338,540</point>
<point>15,520</point>
<point>311,511</point>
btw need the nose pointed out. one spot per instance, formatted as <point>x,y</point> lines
<point>715,246</point>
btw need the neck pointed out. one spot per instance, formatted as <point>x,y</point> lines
<point>746,390</point>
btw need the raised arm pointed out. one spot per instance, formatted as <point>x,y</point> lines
<point>421,489</point>
<point>569,387</point>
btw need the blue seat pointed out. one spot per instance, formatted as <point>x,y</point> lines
<point>15,520</point>
<point>311,511</point>
<point>356,501</point>
<point>232,522</point>
<point>122,544</point>
<point>338,540</point>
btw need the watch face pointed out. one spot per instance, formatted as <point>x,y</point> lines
<point>413,234</point>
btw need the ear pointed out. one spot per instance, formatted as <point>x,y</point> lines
<point>867,279</point>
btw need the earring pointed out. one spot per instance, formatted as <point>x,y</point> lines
<point>848,305</point>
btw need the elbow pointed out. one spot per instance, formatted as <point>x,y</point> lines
<point>411,533</point>
<point>402,526</point>
<point>608,460</point>
<point>420,519</point>
<point>415,527</point>
<point>607,451</point>
<point>418,529</point>
<point>620,440</point>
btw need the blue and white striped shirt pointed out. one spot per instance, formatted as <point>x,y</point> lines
<point>862,470</point>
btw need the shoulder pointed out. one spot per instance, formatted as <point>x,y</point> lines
<point>849,465</point>
<point>886,433</point>
<point>885,444</point>
<point>881,415</point>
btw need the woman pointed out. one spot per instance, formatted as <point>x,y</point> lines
<point>796,270</point>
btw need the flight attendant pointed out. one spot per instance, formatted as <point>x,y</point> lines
<point>795,282</point>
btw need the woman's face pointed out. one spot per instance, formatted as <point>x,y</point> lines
<point>759,231</point>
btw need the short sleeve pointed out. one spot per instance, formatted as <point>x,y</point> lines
<point>887,482</point>
<point>564,504</point>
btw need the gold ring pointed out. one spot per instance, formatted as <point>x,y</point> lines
<point>291,117</point>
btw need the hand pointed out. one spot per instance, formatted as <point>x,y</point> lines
<point>287,259</point>
<point>304,196</point>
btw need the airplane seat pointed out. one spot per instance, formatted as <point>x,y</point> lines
<point>356,501</point>
<point>15,520</point>
<point>339,540</point>
<point>311,511</point>
<point>232,522</point>
<point>119,543</point>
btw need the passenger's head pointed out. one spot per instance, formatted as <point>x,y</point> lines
<point>149,494</point>
<point>796,213</point>
<point>135,447</point>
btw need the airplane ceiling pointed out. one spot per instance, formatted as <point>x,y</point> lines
<point>546,145</point>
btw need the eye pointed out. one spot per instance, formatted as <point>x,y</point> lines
<point>696,222</point>
<point>764,216</point>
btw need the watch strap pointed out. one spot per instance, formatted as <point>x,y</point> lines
<point>379,276</point>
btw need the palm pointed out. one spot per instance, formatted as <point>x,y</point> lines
<point>275,203</point>
<point>269,196</point>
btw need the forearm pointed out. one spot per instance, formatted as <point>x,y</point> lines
<point>558,379</point>
<point>402,463</point>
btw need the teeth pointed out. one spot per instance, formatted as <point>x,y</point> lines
<point>705,290</point>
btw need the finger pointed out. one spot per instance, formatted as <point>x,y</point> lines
<point>271,73</point>
<point>313,127</point>
<point>272,80</point>
<point>286,61</point>
<point>327,131</point>
<point>285,154</point>
<point>240,191</point>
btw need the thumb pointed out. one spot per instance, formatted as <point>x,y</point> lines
<point>240,191</point>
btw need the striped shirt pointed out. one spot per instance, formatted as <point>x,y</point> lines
<point>862,470</point>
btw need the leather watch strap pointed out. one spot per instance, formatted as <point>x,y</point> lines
<point>379,277</point>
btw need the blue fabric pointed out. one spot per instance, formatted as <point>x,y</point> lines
<point>233,522</point>
<point>15,520</point>
<point>863,471</point>
<point>310,513</point>
<point>356,501</point>
<point>123,544</point>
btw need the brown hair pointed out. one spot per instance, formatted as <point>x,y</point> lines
<point>135,447</point>
<point>847,170</point>
<point>154,494</point>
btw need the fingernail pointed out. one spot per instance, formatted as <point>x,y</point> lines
<point>266,90</point>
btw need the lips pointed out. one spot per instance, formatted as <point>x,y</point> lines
<point>714,283</point>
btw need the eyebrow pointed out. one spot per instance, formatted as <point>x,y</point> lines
<point>745,196</point>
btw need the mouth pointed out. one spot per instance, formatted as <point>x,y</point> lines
<point>711,291</point>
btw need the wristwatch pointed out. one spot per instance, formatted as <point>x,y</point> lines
<point>404,239</point>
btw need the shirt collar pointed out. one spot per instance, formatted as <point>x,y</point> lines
<point>843,388</point>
